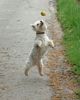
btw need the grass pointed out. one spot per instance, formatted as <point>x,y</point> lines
<point>77,92</point>
<point>69,16</point>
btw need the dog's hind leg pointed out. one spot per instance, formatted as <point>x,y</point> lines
<point>28,67</point>
<point>40,68</point>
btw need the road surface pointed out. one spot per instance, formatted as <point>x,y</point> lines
<point>16,41</point>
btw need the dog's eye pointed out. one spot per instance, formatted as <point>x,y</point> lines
<point>37,24</point>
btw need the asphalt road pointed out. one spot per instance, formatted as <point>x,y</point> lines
<point>16,41</point>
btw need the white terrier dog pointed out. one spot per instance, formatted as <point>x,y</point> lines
<point>42,42</point>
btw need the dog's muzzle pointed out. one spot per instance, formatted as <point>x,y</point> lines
<point>41,23</point>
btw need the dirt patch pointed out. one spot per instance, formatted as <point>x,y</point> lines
<point>61,78</point>
<point>78,1</point>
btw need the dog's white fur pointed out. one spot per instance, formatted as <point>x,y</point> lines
<point>42,42</point>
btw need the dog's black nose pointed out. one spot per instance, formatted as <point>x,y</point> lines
<point>41,22</point>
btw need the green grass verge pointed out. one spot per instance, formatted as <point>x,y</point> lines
<point>69,16</point>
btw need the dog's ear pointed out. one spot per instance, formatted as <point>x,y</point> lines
<point>32,25</point>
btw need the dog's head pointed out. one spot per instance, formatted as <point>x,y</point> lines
<point>39,26</point>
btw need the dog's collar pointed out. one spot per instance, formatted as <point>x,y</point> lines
<point>40,32</point>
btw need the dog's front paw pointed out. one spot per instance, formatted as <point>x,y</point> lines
<point>38,43</point>
<point>51,43</point>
